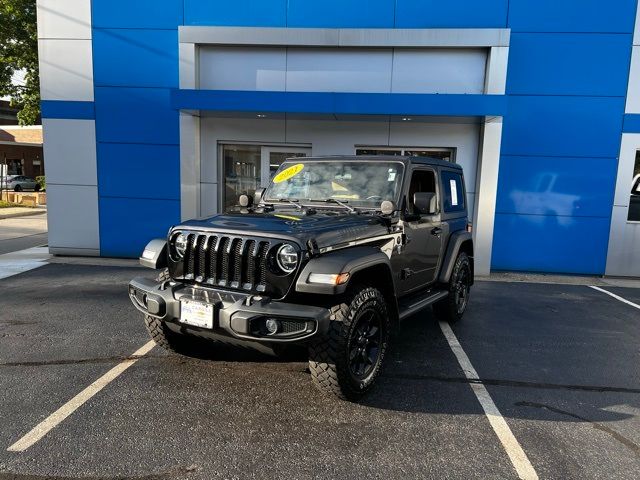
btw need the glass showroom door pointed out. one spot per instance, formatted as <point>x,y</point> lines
<point>247,167</point>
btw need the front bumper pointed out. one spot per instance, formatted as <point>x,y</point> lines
<point>238,315</point>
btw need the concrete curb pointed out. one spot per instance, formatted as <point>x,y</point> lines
<point>26,213</point>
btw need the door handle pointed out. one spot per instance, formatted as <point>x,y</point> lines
<point>436,231</point>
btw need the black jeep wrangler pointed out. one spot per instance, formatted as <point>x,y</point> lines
<point>333,254</point>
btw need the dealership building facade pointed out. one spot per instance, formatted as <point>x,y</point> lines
<point>160,110</point>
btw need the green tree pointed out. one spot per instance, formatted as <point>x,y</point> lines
<point>19,53</point>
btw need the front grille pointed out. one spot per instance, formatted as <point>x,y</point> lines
<point>226,261</point>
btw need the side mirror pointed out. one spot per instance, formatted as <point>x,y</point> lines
<point>425,202</point>
<point>257,196</point>
<point>245,201</point>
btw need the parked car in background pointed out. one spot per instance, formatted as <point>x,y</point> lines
<point>19,183</point>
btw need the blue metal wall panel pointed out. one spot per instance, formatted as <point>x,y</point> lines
<point>632,123</point>
<point>65,109</point>
<point>137,58</point>
<point>540,243</point>
<point>569,64</point>
<point>581,187</point>
<point>246,13</point>
<point>137,14</point>
<point>563,126</point>
<point>451,13</point>
<point>135,115</point>
<point>341,13</point>
<point>145,171</point>
<point>572,16</point>
<point>128,224</point>
<point>339,103</point>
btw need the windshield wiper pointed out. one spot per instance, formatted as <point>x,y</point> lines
<point>292,201</point>
<point>342,204</point>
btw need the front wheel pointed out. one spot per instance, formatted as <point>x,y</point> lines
<point>17,188</point>
<point>347,360</point>
<point>160,332</point>
<point>454,305</point>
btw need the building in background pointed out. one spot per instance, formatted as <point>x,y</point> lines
<point>157,111</point>
<point>21,150</point>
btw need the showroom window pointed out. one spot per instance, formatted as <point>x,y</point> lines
<point>634,198</point>
<point>447,154</point>
<point>248,167</point>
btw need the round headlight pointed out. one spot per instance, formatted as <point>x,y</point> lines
<point>180,245</point>
<point>287,258</point>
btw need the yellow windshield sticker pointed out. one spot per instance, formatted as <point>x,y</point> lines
<point>287,217</point>
<point>336,187</point>
<point>288,173</point>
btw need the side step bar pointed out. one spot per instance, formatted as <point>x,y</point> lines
<point>415,304</point>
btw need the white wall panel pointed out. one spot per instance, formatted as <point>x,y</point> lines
<point>70,151</point>
<point>339,70</point>
<point>336,138</point>
<point>380,70</point>
<point>64,19</point>
<point>439,70</point>
<point>633,94</point>
<point>66,70</point>
<point>208,199</point>
<point>73,214</point>
<point>242,68</point>
<point>623,258</point>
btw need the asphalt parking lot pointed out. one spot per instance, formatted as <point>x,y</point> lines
<point>559,361</point>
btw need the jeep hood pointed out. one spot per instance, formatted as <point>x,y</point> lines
<point>326,229</point>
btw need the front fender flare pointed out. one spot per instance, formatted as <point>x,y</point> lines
<point>348,260</point>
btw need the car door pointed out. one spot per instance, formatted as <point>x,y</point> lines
<point>418,262</point>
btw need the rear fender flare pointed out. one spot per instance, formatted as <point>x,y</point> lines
<point>455,243</point>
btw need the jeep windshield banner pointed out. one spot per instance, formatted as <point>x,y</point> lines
<point>358,183</point>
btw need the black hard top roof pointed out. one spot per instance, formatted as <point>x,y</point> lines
<point>384,158</point>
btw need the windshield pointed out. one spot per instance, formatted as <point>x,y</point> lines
<point>357,183</point>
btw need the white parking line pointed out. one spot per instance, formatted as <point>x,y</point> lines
<point>517,456</point>
<point>617,297</point>
<point>76,402</point>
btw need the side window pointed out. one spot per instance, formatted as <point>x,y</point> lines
<point>453,192</point>
<point>421,181</point>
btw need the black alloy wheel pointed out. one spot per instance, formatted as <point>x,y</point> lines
<point>364,345</point>
<point>455,304</point>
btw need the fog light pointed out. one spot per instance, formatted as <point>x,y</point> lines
<point>272,325</point>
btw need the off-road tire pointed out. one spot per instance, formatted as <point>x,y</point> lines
<point>329,355</point>
<point>159,332</point>
<point>452,308</point>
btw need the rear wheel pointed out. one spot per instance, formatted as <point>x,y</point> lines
<point>454,305</point>
<point>347,360</point>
